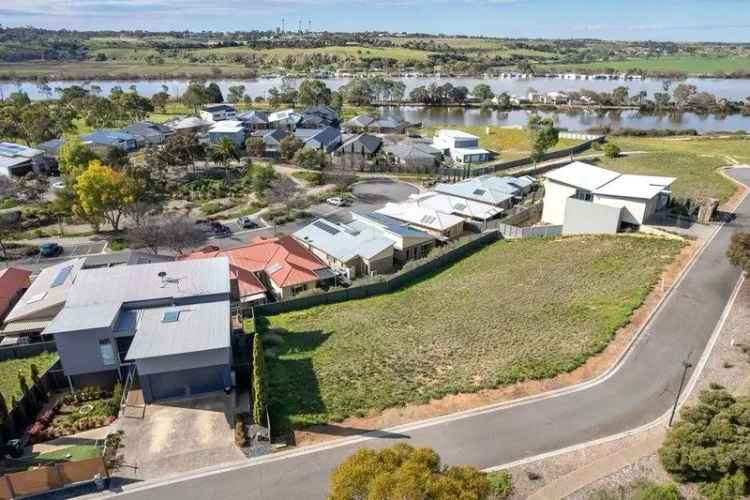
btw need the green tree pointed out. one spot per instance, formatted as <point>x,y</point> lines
<point>236,93</point>
<point>312,159</point>
<point>543,135</point>
<point>483,92</point>
<point>224,151</point>
<point>260,178</point>
<point>337,101</point>
<point>116,157</point>
<point>289,146</point>
<point>104,193</point>
<point>213,93</point>
<point>195,96</point>
<point>683,93</point>
<point>739,251</point>
<point>255,146</point>
<point>160,100</point>
<point>729,487</point>
<point>709,444</point>
<point>73,158</point>
<point>612,150</point>
<point>314,93</point>
<point>260,382</point>
<point>358,92</point>
<point>405,473</point>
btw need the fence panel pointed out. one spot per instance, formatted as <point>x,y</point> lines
<point>35,481</point>
<point>5,491</point>
<point>85,470</point>
<point>26,350</point>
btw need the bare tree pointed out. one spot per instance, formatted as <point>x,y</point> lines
<point>282,190</point>
<point>147,233</point>
<point>181,233</point>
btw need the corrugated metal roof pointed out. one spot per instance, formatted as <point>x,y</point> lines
<point>198,327</point>
<point>582,175</point>
<point>341,242</point>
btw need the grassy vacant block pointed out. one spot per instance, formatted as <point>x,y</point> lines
<point>694,162</point>
<point>9,372</point>
<point>511,143</point>
<point>513,311</point>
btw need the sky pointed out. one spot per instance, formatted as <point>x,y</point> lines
<point>677,20</point>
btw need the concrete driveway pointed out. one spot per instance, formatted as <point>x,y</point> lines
<point>178,437</point>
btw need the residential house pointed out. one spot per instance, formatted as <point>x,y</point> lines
<point>410,243</point>
<point>326,139</point>
<point>365,145</point>
<point>414,154</point>
<point>358,124</point>
<point>441,225</point>
<point>233,130</point>
<point>535,98</point>
<point>287,119</point>
<point>557,98</point>
<point>499,192</point>
<point>13,283</point>
<point>254,120</point>
<point>320,116</point>
<point>51,147</point>
<point>279,266</point>
<point>460,146</point>
<point>581,198</point>
<point>350,251</point>
<point>148,133</point>
<point>389,125</point>
<point>469,210</point>
<point>189,125</point>
<point>218,112</point>
<point>111,139</point>
<point>17,160</point>
<point>168,323</point>
<point>123,258</point>
<point>272,139</point>
<point>43,300</point>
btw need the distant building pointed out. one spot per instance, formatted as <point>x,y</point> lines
<point>326,139</point>
<point>389,125</point>
<point>499,192</point>
<point>254,120</point>
<point>272,139</point>
<point>441,225</point>
<point>111,138</point>
<point>218,112</point>
<point>287,119</point>
<point>414,154</point>
<point>17,160</point>
<point>319,116</point>
<point>148,133</point>
<point>467,209</point>
<point>189,125</point>
<point>358,124</point>
<point>233,130</point>
<point>365,145</point>
<point>460,146</point>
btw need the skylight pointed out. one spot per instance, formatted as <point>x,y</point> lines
<point>62,275</point>
<point>479,192</point>
<point>170,317</point>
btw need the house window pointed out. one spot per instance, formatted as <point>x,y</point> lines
<point>107,352</point>
<point>583,195</point>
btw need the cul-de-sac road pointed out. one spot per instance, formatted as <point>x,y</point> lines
<point>642,389</point>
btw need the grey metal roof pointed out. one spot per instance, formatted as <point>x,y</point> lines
<point>369,143</point>
<point>124,284</point>
<point>42,297</point>
<point>147,129</point>
<point>199,327</point>
<point>396,226</point>
<point>71,319</point>
<point>254,117</point>
<point>407,150</point>
<point>360,121</point>
<point>128,257</point>
<point>108,137</point>
<point>218,107</point>
<point>485,189</point>
<point>342,242</point>
<point>51,146</point>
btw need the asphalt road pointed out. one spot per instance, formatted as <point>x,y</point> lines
<point>641,390</point>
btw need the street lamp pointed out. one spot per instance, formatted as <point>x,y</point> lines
<point>686,365</point>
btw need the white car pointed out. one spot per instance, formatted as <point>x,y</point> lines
<point>58,185</point>
<point>337,201</point>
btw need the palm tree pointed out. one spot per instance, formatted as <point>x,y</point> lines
<point>224,151</point>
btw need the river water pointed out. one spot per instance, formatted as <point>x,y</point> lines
<point>734,89</point>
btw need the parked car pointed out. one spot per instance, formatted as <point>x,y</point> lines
<point>219,229</point>
<point>338,201</point>
<point>247,223</point>
<point>58,185</point>
<point>50,250</point>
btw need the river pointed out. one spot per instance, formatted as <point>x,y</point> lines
<point>734,89</point>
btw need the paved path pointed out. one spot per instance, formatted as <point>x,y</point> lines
<point>641,390</point>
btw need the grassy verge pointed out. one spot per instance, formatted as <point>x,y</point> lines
<point>513,311</point>
<point>693,161</point>
<point>510,143</point>
<point>10,368</point>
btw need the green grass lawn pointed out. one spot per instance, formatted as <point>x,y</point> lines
<point>9,372</point>
<point>511,143</point>
<point>694,162</point>
<point>514,311</point>
<point>686,64</point>
<point>70,454</point>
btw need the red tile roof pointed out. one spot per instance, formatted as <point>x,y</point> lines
<point>282,259</point>
<point>12,281</point>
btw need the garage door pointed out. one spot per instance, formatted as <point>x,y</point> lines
<point>187,382</point>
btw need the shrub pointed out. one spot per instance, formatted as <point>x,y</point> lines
<point>113,407</point>
<point>240,431</point>
<point>728,488</point>
<point>739,251</point>
<point>212,207</point>
<point>658,492</point>
<point>501,484</point>
<point>260,384</point>
<point>611,150</point>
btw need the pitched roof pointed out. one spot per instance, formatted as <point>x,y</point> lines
<point>485,189</point>
<point>187,123</point>
<point>360,121</point>
<point>323,136</point>
<point>342,242</point>
<point>274,136</point>
<point>412,213</point>
<point>13,150</point>
<point>147,129</point>
<point>217,107</point>
<point>48,291</point>
<point>369,143</point>
<point>125,257</point>
<point>227,127</point>
<point>412,150</point>
<point>392,225</point>
<point>108,137</point>
<point>446,203</point>
<point>254,117</point>
<point>582,175</point>
<point>608,183</point>
<point>282,259</point>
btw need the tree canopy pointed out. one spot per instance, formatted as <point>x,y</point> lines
<point>103,193</point>
<point>739,251</point>
<point>542,135</point>
<point>314,93</point>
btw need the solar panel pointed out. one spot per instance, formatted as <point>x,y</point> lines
<point>428,219</point>
<point>460,206</point>
<point>479,192</point>
<point>62,275</point>
<point>325,227</point>
<point>170,317</point>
